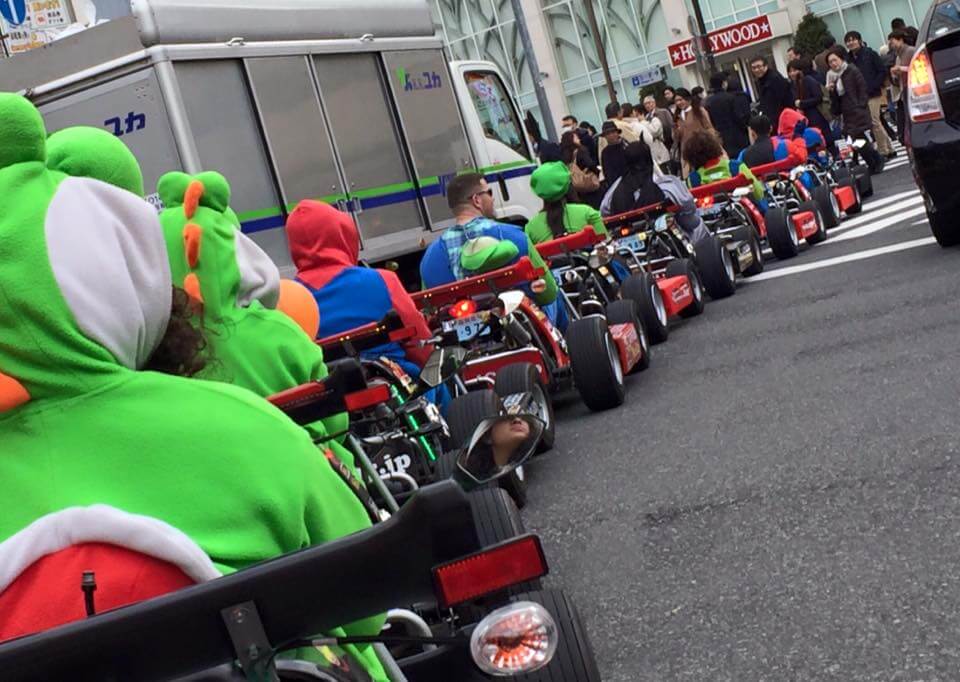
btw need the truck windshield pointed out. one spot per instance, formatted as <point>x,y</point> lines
<point>945,18</point>
<point>497,115</point>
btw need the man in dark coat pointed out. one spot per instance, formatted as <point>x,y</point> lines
<point>849,99</point>
<point>875,73</point>
<point>726,116</point>
<point>775,93</point>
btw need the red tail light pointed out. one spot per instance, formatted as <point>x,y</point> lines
<point>705,202</point>
<point>624,231</point>
<point>490,570</point>
<point>369,397</point>
<point>923,99</point>
<point>463,308</point>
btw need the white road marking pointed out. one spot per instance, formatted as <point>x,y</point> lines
<point>896,163</point>
<point>877,214</point>
<point>921,222</point>
<point>878,225</point>
<point>829,262</point>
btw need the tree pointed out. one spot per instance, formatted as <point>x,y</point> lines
<point>810,34</point>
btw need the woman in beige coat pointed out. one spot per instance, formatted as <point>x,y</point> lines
<point>691,116</point>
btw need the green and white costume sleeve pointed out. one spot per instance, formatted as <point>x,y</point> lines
<point>85,296</point>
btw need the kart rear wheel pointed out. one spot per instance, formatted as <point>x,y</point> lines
<point>826,201</point>
<point>643,289</point>
<point>864,181</point>
<point>574,659</point>
<point>781,234</point>
<point>858,198</point>
<point>715,265</point>
<point>685,266</point>
<point>625,311</point>
<point>821,233</point>
<point>596,363</point>
<point>524,377</point>
<point>748,234</point>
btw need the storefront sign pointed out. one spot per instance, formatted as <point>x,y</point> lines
<point>43,20</point>
<point>646,77</point>
<point>723,40</point>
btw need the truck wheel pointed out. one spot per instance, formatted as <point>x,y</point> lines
<point>574,659</point>
<point>827,203</point>
<point>685,266</point>
<point>642,288</point>
<point>596,363</point>
<point>748,234</point>
<point>864,181</point>
<point>821,233</point>
<point>945,230</point>
<point>781,234</point>
<point>858,199</point>
<point>524,377</point>
<point>715,265</point>
<point>624,311</point>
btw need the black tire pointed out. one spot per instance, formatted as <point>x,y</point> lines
<point>574,660</point>
<point>716,268</point>
<point>748,234</point>
<point>524,377</point>
<point>945,230</point>
<point>864,181</point>
<point>625,311</point>
<point>685,266</point>
<point>827,203</point>
<point>841,174</point>
<point>781,235</point>
<point>858,205</point>
<point>821,233</point>
<point>642,288</point>
<point>595,363</point>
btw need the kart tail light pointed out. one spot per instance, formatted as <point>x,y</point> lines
<point>624,231</point>
<point>464,308</point>
<point>361,400</point>
<point>490,570</point>
<point>923,98</point>
<point>518,638</point>
<point>705,202</point>
<point>538,286</point>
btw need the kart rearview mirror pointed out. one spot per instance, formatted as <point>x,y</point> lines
<point>742,192</point>
<point>499,446</point>
<point>442,365</point>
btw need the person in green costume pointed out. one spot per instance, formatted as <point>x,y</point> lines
<point>551,182</point>
<point>85,301</point>
<point>704,153</point>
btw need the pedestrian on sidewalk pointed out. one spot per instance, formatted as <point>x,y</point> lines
<point>898,76</point>
<point>775,93</point>
<point>875,74</point>
<point>848,94</point>
<point>727,118</point>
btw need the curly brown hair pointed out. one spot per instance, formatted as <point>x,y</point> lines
<point>181,350</point>
<point>700,147</point>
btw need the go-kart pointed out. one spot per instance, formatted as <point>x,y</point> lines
<point>850,166</point>
<point>790,218</point>
<point>512,347</point>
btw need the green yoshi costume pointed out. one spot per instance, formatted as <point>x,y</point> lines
<point>85,297</point>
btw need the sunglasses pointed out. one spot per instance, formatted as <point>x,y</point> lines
<point>488,192</point>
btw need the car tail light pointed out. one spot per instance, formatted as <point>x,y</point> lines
<point>361,400</point>
<point>518,638</point>
<point>538,286</point>
<point>923,99</point>
<point>624,231</point>
<point>490,570</point>
<point>705,202</point>
<point>463,308</point>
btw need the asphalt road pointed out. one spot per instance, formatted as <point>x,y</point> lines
<point>779,498</point>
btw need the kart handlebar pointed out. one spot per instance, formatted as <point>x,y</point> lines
<point>497,280</point>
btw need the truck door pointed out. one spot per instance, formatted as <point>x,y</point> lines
<point>427,106</point>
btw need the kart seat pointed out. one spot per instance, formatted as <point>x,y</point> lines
<point>132,557</point>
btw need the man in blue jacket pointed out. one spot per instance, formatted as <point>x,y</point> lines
<point>875,73</point>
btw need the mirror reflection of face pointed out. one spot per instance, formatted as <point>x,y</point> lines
<point>506,437</point>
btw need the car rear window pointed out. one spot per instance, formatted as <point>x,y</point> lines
<point>945,18</point>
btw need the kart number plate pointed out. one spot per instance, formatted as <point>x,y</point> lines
<point>631,242</point>
<point>468,328</point>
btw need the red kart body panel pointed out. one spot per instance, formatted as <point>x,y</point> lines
<point>676,293</point>
<point>805,223</point>
<point>731,184</point>
<point>577,241</point>
<point>497,280</point>
<point>802,190</point>
<point>628,345</point>
<point>487,367</point>
<point>366,331</point>
<point>758,222</point>
<point>546,331</point>
<point>846,197</point>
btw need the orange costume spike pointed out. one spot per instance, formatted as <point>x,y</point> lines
<point>191,198</point>
<point>12,393</point>
<point>192,237</point>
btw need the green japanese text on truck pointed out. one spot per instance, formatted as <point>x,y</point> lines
<point>352,102</point>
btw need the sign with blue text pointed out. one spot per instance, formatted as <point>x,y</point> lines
<point>652,75</point>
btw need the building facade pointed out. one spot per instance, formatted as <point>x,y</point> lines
<point>639,37</point>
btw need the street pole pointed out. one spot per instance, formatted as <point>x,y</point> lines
<point>549,127</point>
<point>601,50</point>
<point>702,31</point>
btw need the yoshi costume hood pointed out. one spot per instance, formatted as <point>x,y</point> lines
<point>85,152</point>
<point>260,349</point>
<point>85,295</point>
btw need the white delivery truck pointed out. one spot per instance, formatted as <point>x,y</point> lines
<point>348,101</point>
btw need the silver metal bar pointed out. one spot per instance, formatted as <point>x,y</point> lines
<point>92,72</point>
<point>189,156</point>
<point>366,466</point>
<point>389,664</point>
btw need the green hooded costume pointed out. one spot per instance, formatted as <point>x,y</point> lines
<point>85,297</point>
<point>551,182</point>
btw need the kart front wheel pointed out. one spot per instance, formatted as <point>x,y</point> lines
<point>642,288</point>
<point>624,311</point>
<point>749,235</point>
<point>524,377</point>
<point>596,363</point>
<point>685,267</point>
<point>781,234</point>
<point>716,268</point>
<point>827,203</point>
